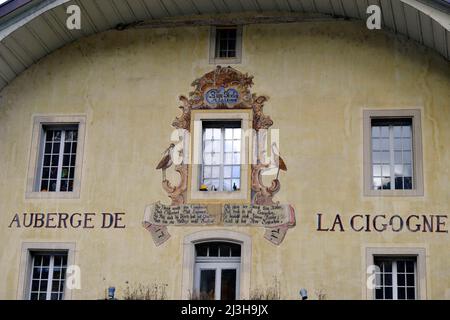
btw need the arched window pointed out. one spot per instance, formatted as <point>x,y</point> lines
<point>217,270</point>
<point>216,249</point>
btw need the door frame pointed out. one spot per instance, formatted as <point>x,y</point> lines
<point>189,241</point>
<point>218,267</point>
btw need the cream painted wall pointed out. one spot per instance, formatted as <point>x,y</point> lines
<point>319,77</point>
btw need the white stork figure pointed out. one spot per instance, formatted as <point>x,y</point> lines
<point>166,161</point>
<point>278,160</point>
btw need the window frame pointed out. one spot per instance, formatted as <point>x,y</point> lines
<point>195,155</point>
<point>35,156</point>
<point>417,152</point>
<point>419,253</point>
<point>222,126</point>
<point>25,264</point>
<point>52,255</point>
<point>213,59</point>
<point>221,235</point>
<point>394,273</point>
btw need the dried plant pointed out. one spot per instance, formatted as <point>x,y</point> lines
<point>154,291</point>
<point>272,292</point>
<point>321,295</point>
<point>195,295</point>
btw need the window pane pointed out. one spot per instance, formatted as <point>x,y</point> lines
<point>376,132</point>
<point>407,185</point>
<point>208,134</point>
<point>228,146</point>
<point>379,294</point>
<point>227,185</point>
<point>201,250</point>
<point>228,134</point>
<point>411,293</point>
<point>207,158</point>
<point>236,158</point>
<point>400,266</point>
<point>207,284</point>
<point>397,132</point>
<point>227,172</point>
<point>377,171</point>
<point>208,146</point>
<point>216,146</point>
<point>236,171</point>
<point>386,183</point>
<point>44,185</point>
<point>376,144</point>
<point>407,144</point>
<point>407,171</point>
<point>228,158</point>
<point>237,133</point>
<point>398,144</point>
<point>401,279</point>
<point>388,279</point>
<point>401,293</point>
<point>388,293</point>
<point>407,157</point>
<point>52,186</point>
<point>207,172</point>
<point>385,157</point>
<point>216,158</point>
<point>409,266</point>
<point>217,134</point>
<point>55,160</point>
<point>215,172</point>
<point>228,284</point>
<point>406,131</point>
<point>399,183</point>
<point>236,145</point>
<point>377,183</point>
<point>384,145</point>
<point>376,157</point>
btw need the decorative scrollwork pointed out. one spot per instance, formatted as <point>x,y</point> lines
<point>221,80</point>
<point>177,193</point>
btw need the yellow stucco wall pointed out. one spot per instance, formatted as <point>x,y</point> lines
<point>319,77</point>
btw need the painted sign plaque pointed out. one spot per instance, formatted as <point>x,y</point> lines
<point>222,96</point>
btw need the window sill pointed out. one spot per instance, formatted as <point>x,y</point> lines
<point>394,193</point>
<point>53,195</point>
<point>236,60</point>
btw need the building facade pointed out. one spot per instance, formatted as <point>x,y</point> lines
<point>307,151</point>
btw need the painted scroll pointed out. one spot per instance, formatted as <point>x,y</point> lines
<point>276,219</point>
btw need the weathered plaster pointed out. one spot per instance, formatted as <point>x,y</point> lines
<point>319,77</point>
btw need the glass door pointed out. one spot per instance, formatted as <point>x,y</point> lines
<point>217,281</point>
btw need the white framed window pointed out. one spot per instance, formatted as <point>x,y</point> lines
<point>56,157</point>
<point>395,273</point>
<point>47,275</point>
<point>221,163</point>
<point>42,270</point>
<point>392,161</point>
<point>392,153</point>
<point>225,44</point>
<point>220,149</point>
<point>217,270</point>
<point>396,278</point>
